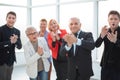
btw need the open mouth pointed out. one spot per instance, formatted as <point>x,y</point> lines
<point>113,24</point>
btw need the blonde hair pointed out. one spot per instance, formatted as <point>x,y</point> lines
<point>49,24</point>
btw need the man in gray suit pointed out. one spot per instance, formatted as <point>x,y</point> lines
<point>78,46</point>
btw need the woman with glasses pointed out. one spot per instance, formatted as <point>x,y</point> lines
<point>36,54</point>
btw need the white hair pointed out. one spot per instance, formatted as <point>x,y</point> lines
<point>75,18</point>
<point>29,28</point>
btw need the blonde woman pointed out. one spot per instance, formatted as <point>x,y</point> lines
<point>54,41</point>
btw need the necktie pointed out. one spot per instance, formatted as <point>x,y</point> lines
<point>75,34</point>
<point>74,43</point>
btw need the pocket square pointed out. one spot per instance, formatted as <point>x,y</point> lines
<point>5,45</point>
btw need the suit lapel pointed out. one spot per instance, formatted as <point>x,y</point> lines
<point>79,36</point>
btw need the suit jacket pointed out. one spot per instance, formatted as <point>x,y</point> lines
<point>7,50</point>
<point>55,49</point>
<point>82,58</point>
<point>111,53</point>
<point>32,57</point>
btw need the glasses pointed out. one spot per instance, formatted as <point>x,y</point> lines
<point>32,33</point>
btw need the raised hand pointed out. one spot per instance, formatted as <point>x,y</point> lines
<point>53,35</point>
<point>57,36</point>
<point>40,51</point>
<point>112,37</point>
<point>70,39</point>
<point>41,34</point>
<point>13,38</point>
<point>104,31</point>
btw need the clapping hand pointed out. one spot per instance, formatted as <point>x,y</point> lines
<point>70,39</point>
<point>104,31</point>
<point>55,36</point>
<point>13,38</point>
<point>112,36</point>
<point>40,51</point>
<point>41,34</point>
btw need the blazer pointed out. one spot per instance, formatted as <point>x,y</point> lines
<point>7,50</point>
<point>32,57</point>
<point>55,49</point>
<point>111,53</point>
<point>82,58</point>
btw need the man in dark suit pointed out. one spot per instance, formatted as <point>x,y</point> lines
<point>78,47</point>
<point>9,39</point>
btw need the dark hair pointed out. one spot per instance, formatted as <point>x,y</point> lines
<point>11,12</point>
<point>114,13</point>
<point>42,20</point>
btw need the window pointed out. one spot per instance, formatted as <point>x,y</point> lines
<point>43,12</point>
<point>76,10</point>
<point>14,2</point>
<point>42,2</point>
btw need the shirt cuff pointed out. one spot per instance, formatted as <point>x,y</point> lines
<point>79,42</point>
<point>67,48</point>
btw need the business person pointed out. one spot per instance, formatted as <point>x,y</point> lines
<point>110,63</point>
<point>54,41</point>
<point>9,39</point>
<point>78,44</point>
<point>44,33</point>
<point>36,53</point>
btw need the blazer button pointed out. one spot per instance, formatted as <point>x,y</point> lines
<point>8,52</point>
<point>76,67</point>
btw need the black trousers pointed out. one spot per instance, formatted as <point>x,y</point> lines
<point>75,75</point>
<point>6,72</point>
<point>61,69</point>
<point>110,73</point>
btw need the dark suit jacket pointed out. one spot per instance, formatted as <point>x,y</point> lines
<point>7,50</point>
<point>111,53</point>
<point>82,58</point>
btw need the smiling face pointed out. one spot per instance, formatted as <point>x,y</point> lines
<point>53,25</point>
<point>11,19</point>
<point>43,26</point>
<point>74,25</point>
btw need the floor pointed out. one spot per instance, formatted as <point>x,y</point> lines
<point>20,74</point>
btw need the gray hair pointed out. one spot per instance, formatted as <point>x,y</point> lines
<point>28,29</point>
<point>75,18</point>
